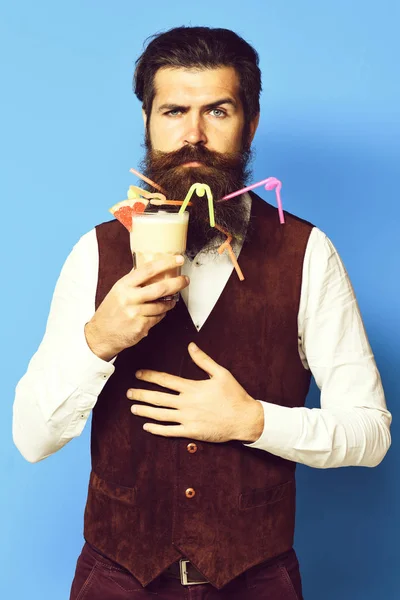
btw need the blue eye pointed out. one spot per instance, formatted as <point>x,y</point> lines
<point>221,113</point>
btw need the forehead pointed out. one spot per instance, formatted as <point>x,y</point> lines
<point>195,86</point>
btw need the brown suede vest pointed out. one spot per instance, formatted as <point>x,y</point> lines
<point>243,511</point>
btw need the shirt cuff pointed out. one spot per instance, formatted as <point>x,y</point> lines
<point>282,429</point>
<point>86,370</point>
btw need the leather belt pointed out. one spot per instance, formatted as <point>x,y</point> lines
<point>186,572</point>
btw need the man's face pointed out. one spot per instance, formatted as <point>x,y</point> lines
<point>197,132</point>
<point>193,107</point>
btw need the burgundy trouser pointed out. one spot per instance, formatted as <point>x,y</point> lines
<point>98,578</point>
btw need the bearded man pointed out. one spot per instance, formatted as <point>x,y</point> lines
<point>198,406</point>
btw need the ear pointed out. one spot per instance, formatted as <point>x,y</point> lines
<point>253,127</point>
<point>144,115</point>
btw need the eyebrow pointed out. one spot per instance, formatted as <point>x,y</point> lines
<point>207,106</point>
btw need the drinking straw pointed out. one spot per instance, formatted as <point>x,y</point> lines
<point>269,184</point>
<point>210,205</point>
<point>223,246</point>
<point>147,180</point>
<point>200,189</point>
<point>157,202</point>
<point>235,262</point>
<point>227,246</point>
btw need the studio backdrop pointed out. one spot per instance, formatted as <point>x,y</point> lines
<point>72,128</point>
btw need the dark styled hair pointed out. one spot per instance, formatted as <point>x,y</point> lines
<point>200,48</point>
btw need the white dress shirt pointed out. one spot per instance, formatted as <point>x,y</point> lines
<point>64,377</point>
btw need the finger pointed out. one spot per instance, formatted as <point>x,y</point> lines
<point>204,361</point>
<point>157,414</point>
<point>166,287</point>
<point>171,382</point>
<point>150,269</point>
<point>156,398</point>
<point>153,309</point>
<point>165,430</point>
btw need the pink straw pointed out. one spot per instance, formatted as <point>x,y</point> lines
<point>269,184</point>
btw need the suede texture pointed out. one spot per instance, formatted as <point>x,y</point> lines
<point>243,512</point>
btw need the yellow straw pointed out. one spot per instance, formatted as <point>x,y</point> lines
<point>210,205</point>
<point>200,189</point>
<point>188,196</point>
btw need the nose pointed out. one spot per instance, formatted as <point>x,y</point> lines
<point>195,133</point>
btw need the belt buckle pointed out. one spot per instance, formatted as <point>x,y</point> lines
<point>184,574</point>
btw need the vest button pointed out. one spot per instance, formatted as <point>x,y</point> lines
<point>192,448</point>
<point>190,493</point>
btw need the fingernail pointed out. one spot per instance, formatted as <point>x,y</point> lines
<point>193,346</point>
<point>129,394</point>
<point>187,279</point>
<point>138,374</point>
<point>179,260</point>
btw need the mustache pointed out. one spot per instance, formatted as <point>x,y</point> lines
<point>208,158</point>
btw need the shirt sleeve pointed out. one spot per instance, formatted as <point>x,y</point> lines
<point>352,427</point>
<point>54,397</point>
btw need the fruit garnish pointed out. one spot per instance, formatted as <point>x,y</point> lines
<point>137,201</point>
<point>124,210</point>
<point>137,192</point>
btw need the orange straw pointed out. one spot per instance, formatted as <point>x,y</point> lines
<point>157,202</point>
<point>147,180</point>
<point>223,247</point>
<point>154,201</point>
<point>227,246</point>
<point>235,263</point>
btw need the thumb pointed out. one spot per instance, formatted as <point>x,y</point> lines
<point>203,361</point>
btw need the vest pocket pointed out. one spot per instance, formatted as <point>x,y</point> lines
<point>263,496</point>
<point>112,490</point>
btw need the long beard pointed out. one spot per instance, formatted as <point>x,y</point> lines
<point>224,173</point>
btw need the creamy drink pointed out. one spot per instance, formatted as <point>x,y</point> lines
<point>155,235</point>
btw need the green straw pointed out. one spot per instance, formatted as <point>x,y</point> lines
<point>210,205</point>
<point>200,189</point>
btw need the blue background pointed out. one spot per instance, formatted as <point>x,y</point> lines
<point>330,129</point>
